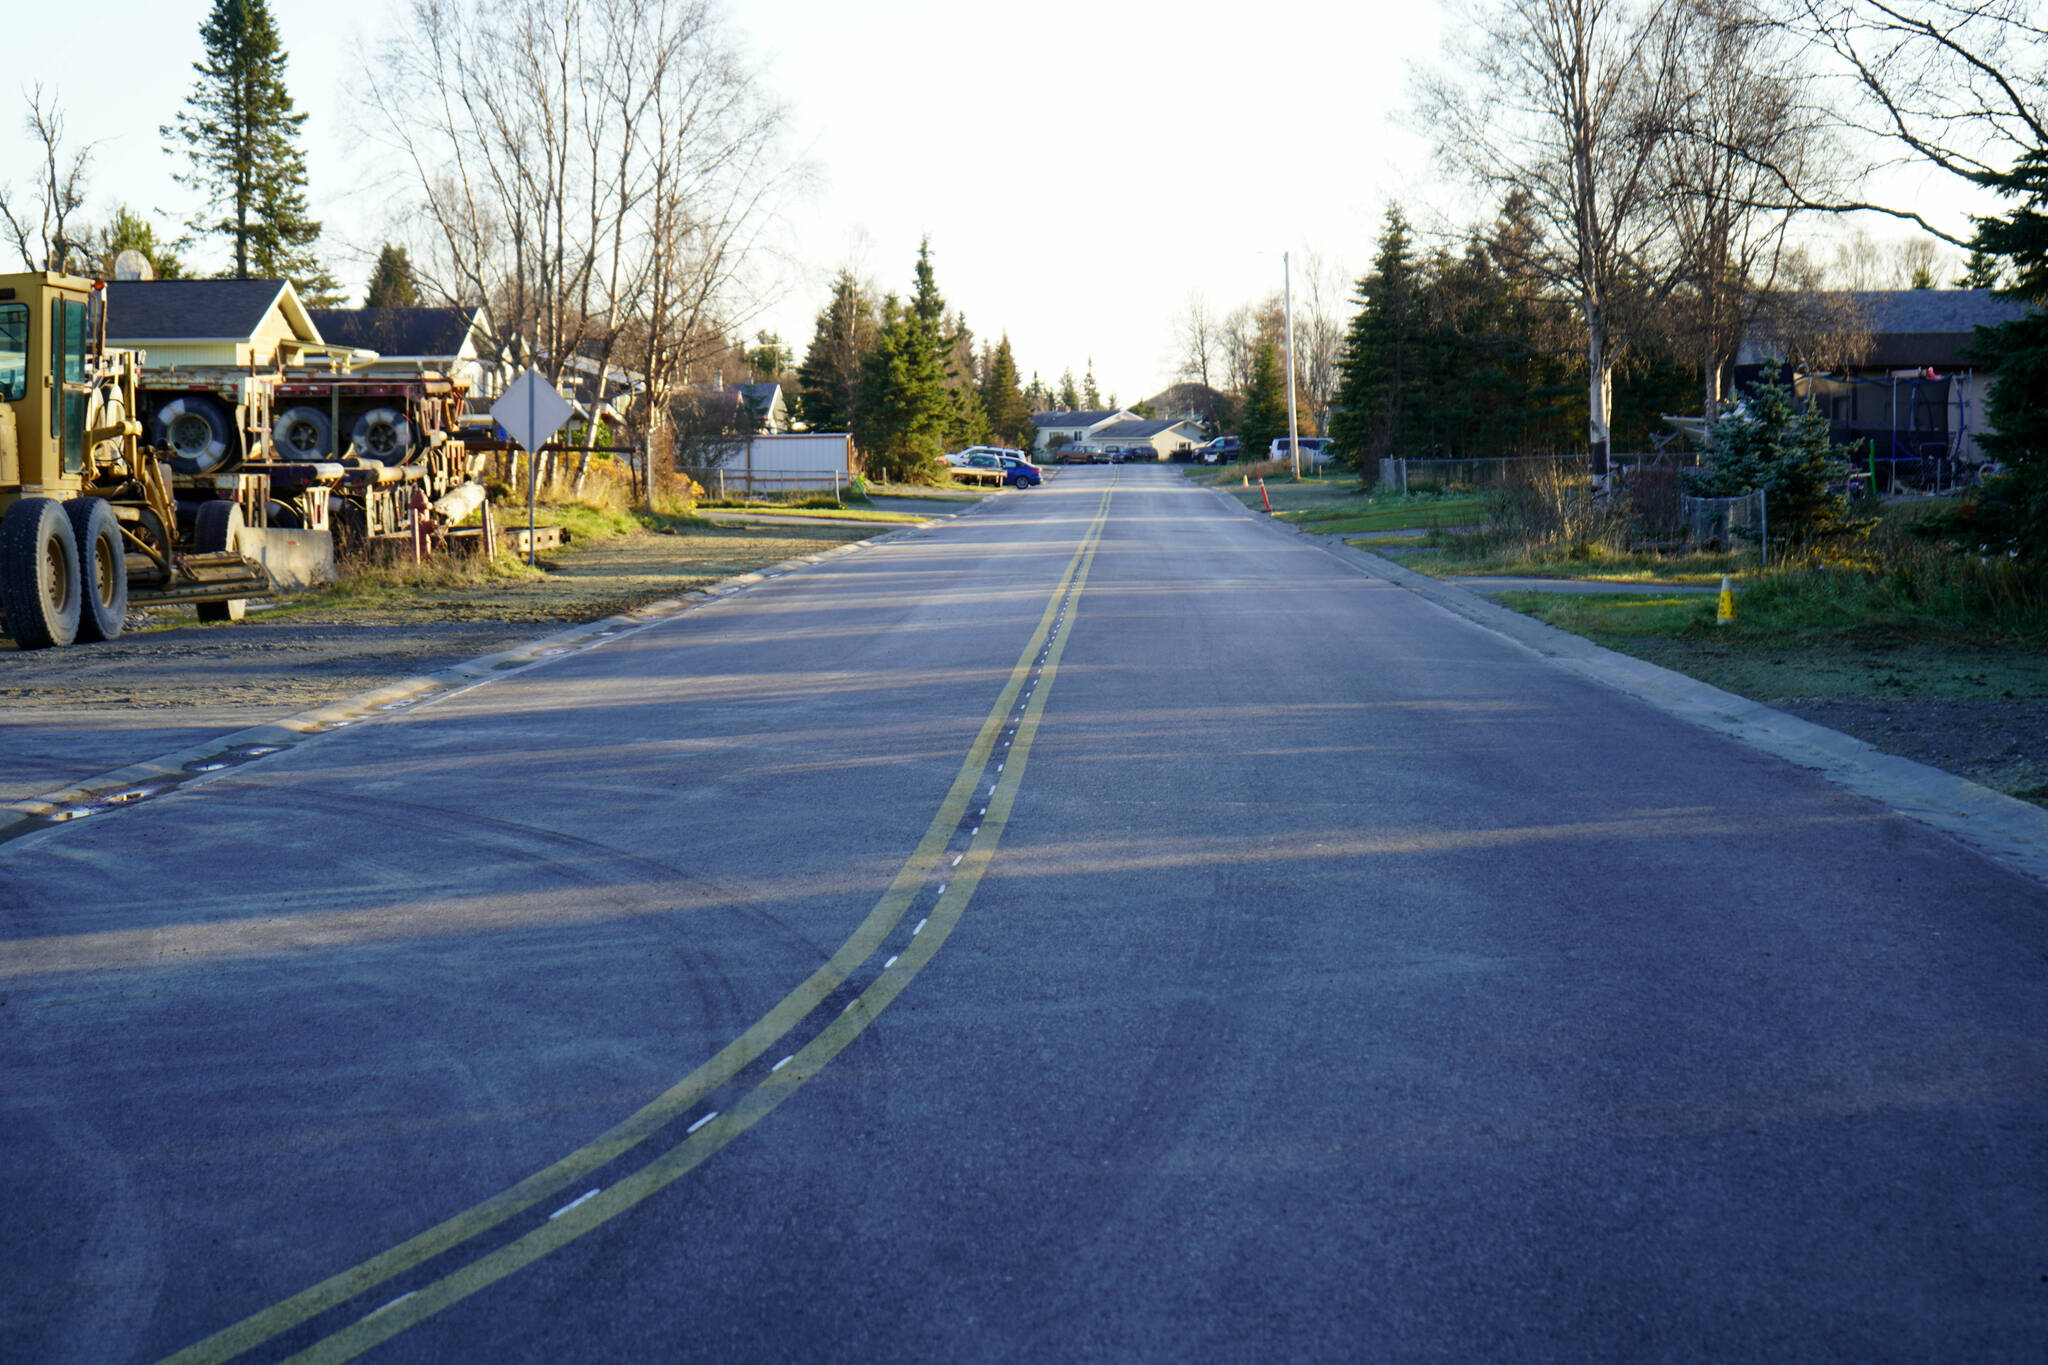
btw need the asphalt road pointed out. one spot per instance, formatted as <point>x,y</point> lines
<point>1316,975</point>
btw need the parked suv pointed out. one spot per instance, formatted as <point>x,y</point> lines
<point>1222,450</point>
<point>1314,449</point>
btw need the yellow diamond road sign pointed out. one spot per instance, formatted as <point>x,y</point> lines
<point>531,411</point>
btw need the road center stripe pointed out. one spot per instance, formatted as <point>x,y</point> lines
<point>711,1134</point>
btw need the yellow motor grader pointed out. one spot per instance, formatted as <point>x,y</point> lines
<point>89,519</point>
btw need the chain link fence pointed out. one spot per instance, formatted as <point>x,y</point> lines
<point>1724,523</point>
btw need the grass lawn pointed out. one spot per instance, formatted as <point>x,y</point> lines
<point>1778,646</point>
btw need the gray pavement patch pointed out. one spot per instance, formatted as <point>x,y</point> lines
<point>222,753</point>
<point>2013,832</point>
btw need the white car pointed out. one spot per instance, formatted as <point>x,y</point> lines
<point>963,457</point>
<point>1314,449</point>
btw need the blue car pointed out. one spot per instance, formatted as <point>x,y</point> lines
<point>1020,472</point>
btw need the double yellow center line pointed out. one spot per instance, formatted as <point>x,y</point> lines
<point>1004,741</point>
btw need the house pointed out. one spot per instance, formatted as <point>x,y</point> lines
<point>211,322</point>
<point>1053,429</point>
<point>455,342</point>
<point>1887,366</point>
<point>1164,435</point>
<point>765,401</point>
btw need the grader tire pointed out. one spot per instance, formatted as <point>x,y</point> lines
<point>217,527</point>
<point>102,568</point>
<point>39,587</point>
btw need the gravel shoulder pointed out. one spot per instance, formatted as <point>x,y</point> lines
<point>171,682</point>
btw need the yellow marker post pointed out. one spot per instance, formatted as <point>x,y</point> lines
<point>1726,611</point>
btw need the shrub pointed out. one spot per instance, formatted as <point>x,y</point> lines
<point>1771,442</point>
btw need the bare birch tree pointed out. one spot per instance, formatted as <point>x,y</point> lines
<point>1196,341</point>
<point>42,221</point>
<point>596,175</point>
<point>1739,127</point>
<point>1567,103</point>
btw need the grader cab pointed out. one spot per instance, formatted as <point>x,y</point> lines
<point>89,519</point>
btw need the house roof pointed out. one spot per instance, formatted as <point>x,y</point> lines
<point>399,331</point>
<point>1083,417</point>
<point>1136,429</point>
<point>1935,310</point>
<point>200,310</point>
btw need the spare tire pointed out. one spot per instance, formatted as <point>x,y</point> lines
<point>382,434</point>
<point>39,574</point>
<point>197,432</point>
<point>303,433</point>
<point>102,568</point>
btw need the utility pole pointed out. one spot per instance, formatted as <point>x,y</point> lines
<point>1287,303</point>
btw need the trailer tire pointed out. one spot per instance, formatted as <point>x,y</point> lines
<point>39,574</point>
<point>197,432</point>
<point>303,433</point>
<point>382,434</point>
<point>217,527</point>
<point>102,568</point>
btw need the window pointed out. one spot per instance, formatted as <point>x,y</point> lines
<point>67,363</point>
<point>13,352</point>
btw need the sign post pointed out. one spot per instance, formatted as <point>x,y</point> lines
<point>531,412</point>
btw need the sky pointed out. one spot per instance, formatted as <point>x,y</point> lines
<point>1079,166</point>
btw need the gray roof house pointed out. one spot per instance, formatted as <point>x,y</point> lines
<point>1067,427</point>
<point>1895,380</point>
<point>453,341</point>
<point>1165,435</point>
<point>210,322</point>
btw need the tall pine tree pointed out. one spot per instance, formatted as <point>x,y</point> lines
<point>2013,507</point>
<point>391,282</point>
<point>1009,413</point>
<point>909,406</point>
<point>1375,376</point>
<point>1265,405</point>
<point>241,132</point>
<point>829,381</point>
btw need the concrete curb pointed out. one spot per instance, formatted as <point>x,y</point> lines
<point>186,767</point>
<point>2013,832</point>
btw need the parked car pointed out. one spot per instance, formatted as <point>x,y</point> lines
<point>959,457</point>
<point>992,466</point>
<point>1222,450</point>
<point>1022,473</point>
<point>1314,449</point>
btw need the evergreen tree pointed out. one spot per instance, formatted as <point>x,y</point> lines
<point>1009,412</point>
<point>1779,444</point>
<point>829,381</point>
<point>391,283</point>
<point>909,407</point>
<point>1091,397</point>
<point>2012,508</point>
<point>242,134</point>
<point>1980,271</point>
<point>1265,405</point>
<point>1070,397</point>
<point>130,231</point>
<point>1375,379</point>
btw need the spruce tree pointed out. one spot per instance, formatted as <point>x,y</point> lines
<point>1375,387</point>
<point>909,407</point>
<point>130,231</point>
<point>1778,444</point>
<point>1091,397</point>
<point>1070,397</point>
<point>2011,509</point>
<point>1265,405</point>
<point>241,133</point>
<point>391,283</point>
<point>829,380</point>
<point>1009,414</point>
